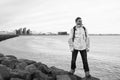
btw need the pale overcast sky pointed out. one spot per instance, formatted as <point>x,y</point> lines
<point>99,16</point>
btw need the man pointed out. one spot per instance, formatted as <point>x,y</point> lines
<point>79,41</point>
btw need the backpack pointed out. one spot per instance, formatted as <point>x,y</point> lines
<point>74,32</point>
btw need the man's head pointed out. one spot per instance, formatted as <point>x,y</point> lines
<point>78,21</point>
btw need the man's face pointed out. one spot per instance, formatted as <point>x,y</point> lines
<point>79,22</point>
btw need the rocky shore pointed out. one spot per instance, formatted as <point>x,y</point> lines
<point>7,36</point>
<point>12,68</point>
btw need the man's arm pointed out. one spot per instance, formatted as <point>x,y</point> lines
<point>87,42</point>
<point>70,41</point>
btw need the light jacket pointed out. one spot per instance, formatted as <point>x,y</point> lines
<point>81,41</point>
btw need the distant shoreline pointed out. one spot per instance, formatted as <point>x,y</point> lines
<point>58,35</point>
<point>7,36</point>
<point>68,34</point>
<point>104,34</point>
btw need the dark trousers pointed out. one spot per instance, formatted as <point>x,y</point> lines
<point>84,59</point>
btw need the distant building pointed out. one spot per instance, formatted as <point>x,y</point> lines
<point>24,32</point>
<point>20,31</point>
<point>62,33</point>
<point>28,32</point>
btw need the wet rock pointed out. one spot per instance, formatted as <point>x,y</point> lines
<point>21,66</point>
<point>42,67</point>
<point>56,71</point>
<point>27,61</point>
<point>4,72</point>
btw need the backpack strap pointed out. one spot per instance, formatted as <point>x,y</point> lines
<point>85,31</point>
<point>74,28</point>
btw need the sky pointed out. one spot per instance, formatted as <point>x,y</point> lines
<point>99,16</point>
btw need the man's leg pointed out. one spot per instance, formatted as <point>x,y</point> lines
<point>85,62</point>
<point>73,61</point>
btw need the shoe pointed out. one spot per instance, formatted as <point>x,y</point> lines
<point>72,71</point>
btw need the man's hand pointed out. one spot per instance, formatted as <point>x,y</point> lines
<point>87,49</point>
<point>72,49</point>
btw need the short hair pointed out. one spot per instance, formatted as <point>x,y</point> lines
<point>77,19</point>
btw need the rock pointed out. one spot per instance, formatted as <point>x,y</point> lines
<point>27,61</point>
<point>31,68</point>
<point>1,59</point>
<point>11,57</point>
<point>23,74</point>
<point>40,75</point>
<point>56,71</point>
<point>68,77</point>
<point>42,67</point>
<point>10,63</point>
<point>1,77</point>
<point>4,72</point>
<point>63,77</point>
<point>21,66</point>
<point>1,55</point>
<point>16,79</point>
<point>35,79</point>
<point>91,78</point>
<point>37,74</point>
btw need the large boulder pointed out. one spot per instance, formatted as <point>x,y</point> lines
<point>22,74</point>
<point>4,72</point>
<point>63,77</point>
<point>31,68</point>
<point>57,71</point>
<point>21,66</point>
<point>42,67</point>
<point>27,61</point>
<point>40,76</point>
<point>68,77</point>
<point>11,63</point>
<point>11,57</point>
<point>35,79</point>
<point>2,59</point>
<point>1,55</point>
<point>1,77</point>
<point>37,74</point>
